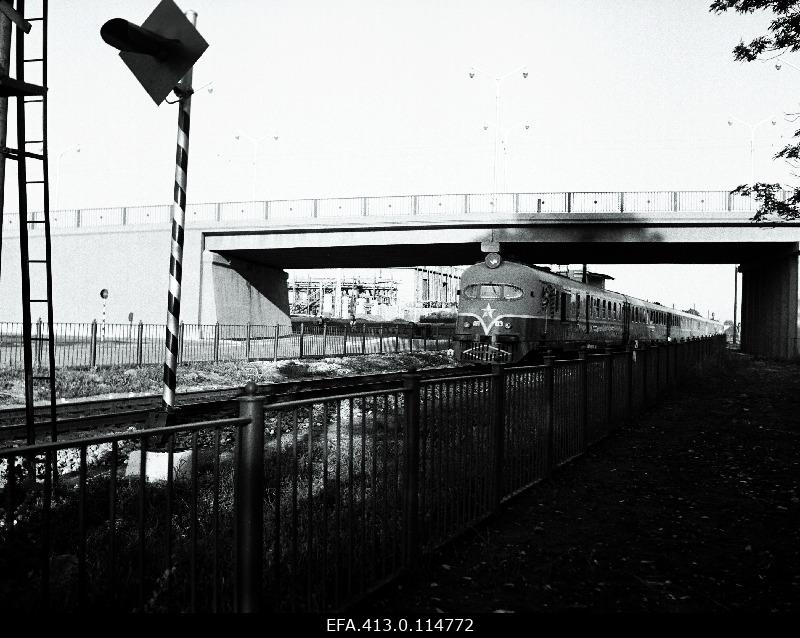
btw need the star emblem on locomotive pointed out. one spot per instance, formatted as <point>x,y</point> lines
<point>488,311</point>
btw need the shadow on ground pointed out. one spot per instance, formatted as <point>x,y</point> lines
<point>692,509</point>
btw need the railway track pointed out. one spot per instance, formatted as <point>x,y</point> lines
<point>137,411</point>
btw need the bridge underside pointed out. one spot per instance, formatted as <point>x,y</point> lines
<point>440,254</point>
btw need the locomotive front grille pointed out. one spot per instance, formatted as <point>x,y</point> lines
<point>486,352</point>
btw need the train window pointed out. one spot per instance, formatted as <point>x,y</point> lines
<point>563,306</point>
<point>511,292</point>
<point>492,291</point>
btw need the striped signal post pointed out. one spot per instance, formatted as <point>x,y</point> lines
<point>161,54</point>
<point>184,93</point>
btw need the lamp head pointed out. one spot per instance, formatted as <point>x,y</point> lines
<point>778,66</point>
<point>472,72</point>
<point>524,74</point>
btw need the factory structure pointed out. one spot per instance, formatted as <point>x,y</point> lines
<point>379,294</point>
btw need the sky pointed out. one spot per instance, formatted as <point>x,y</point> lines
<point>373,97</point>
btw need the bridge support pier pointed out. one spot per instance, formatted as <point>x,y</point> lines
<point>235,291</point>
<point>771,306</point>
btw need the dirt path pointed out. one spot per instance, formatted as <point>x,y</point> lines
<point>694,509</point>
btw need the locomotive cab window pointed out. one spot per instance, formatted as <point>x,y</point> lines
<point>492,291</point>
<point>511,292</point>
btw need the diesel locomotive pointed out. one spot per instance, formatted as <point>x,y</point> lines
<point>510,311</point>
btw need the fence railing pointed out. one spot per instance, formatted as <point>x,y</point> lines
<point>330,210</point>
<point>96,344</point>
<point>304,505</point>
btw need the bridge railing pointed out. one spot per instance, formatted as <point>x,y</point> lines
<point>304,504</point>
<point>325,210</point>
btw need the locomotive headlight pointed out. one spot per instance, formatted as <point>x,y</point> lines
<point>493,260</point>
<point>466,324</point>
<point>508,325</point>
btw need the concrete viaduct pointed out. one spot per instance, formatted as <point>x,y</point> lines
<point>236,252</point>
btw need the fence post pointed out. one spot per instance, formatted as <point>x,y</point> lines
<point>216,341</point>
<point>344,344</point>
<point>437,337</point>
<point>411,337</point>
<point>411,468</point>
<point>275,349</point>
<point>644,355</point>
<point>380,339</point>
<point>364,338</point>
<point>657,348</point>
<point>549,393</point>
<point>498,432</point>
<point>397,337</point>
<point>302,335</point>
<point>583,433</point>
<point>247,342</point>
<point>629,372</point>
<point>39,343</point>
<point>180,343</point>
<point>324,338</point>
<point>93,346</point>
<point>249,502</point>
<point>610,395</point>
<point>139,343</point>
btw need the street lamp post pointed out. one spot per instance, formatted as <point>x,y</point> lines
<point>504,144</point>
<point>498,80</point>
<point>753,128</point>
<point>256,142</point>
<point>77,149</point>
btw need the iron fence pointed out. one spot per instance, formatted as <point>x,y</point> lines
<point>79,345</point>
<point>139,521</point>
<point>307,504</point>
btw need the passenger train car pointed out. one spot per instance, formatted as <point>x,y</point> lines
<point>508,311</point>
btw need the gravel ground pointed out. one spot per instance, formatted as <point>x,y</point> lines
<point>692,509</point>
<point>124,381</point>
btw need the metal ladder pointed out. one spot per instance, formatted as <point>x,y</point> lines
<point>34,195</point>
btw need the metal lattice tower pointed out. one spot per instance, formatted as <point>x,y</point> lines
<point>34,200</point>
